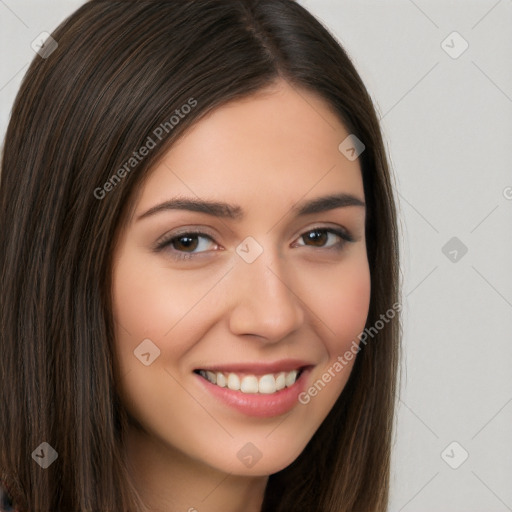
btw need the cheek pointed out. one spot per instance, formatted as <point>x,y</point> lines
<point>145,306</point>
<point>171,309</point>
<point>147,302</point>
<point>341,300</point>
<point>342,304</point>
<point>138,296</point>
<point>348,313</point>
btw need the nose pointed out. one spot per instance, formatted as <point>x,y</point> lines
<point>263,302</point>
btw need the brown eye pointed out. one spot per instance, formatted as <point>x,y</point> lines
<point>325,238</point>
<point>185,243</point>
<point>318,237</point>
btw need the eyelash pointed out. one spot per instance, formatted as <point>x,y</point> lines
<point>181,255</point>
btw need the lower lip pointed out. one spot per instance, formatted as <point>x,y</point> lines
<point>256,404</point>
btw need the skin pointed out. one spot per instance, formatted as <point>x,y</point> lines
<point>298,299</point>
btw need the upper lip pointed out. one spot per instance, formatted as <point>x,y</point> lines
<point>258,367</point>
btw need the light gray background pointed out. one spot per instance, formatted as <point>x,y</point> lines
<point>448,124</point>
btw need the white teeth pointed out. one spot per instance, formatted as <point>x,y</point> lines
<point>281,381</point>
<point>290,378</point>
<point>221,380</point>
<point>251,384</point>
<point>233,381</point>
<point>267,384</point>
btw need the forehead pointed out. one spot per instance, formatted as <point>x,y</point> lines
<point>278,145</point>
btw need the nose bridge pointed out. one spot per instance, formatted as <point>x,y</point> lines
<point>263,301</point>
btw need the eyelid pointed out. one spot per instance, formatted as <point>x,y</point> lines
<point>336,229</point>
<point>164,241</point>
<point>168,237</point>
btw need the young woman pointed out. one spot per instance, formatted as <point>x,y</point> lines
<point>199,267</point>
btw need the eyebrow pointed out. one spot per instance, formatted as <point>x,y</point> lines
<point>235,212</point>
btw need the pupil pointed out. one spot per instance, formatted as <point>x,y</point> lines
<point>317,237</point>
<point>186,242</point>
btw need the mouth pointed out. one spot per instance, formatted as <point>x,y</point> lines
<point>252,383</point>
<point>258,389</point>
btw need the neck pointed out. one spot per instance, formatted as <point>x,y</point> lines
<point>170,481</point>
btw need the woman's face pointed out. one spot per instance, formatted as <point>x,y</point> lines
<point>254,292</point>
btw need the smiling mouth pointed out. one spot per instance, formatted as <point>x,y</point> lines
<point>252,384</point>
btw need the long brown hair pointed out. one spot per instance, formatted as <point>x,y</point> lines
<point>120,71</point>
